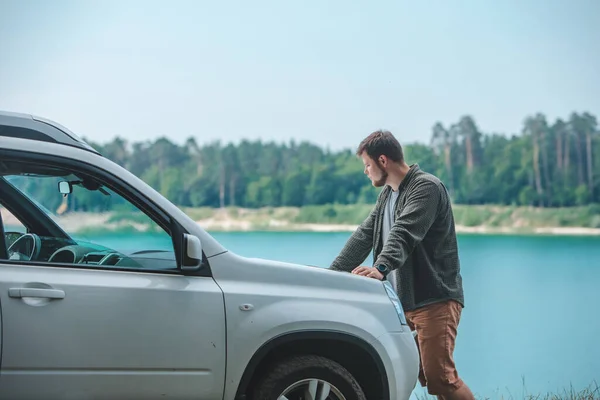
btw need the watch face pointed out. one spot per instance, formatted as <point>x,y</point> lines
<point>382,268</point>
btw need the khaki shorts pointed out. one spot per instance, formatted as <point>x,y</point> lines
<point>436,326</point>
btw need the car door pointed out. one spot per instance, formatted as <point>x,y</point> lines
<point>83,334</point>
<point>86,331</point>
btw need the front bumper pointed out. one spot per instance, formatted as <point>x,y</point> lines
<point>401,359</point>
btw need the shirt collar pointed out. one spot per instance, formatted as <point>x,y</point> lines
<point>413,168</point>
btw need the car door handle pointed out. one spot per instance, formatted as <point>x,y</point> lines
<point>35,292</point>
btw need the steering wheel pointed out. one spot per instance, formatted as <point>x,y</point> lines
<point>15,251</point>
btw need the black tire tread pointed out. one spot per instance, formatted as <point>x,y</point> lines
<point>291,365</point>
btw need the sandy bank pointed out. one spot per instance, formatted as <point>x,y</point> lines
<point>223,222</point>
<point>233,225</point>
<point>548,230</point>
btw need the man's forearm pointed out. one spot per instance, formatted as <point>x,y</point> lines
<point>355,251</point>
<point>357,248</point>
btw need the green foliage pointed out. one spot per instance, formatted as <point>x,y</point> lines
<point>353,214</point>
<point>130,217</point>
<point>474,216</point>
<point>199,212</point>
<point>526,217</point>
<point>546,165</point>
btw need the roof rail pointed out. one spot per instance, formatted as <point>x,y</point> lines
<point>25,126</point>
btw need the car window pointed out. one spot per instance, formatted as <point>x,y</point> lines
<point>11,223</point>
<point>13,228</point>
<point>101,228</point>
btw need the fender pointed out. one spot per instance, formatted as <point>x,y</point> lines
<point>286,338</point>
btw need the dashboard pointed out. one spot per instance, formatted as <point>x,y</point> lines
<point>31,247</point>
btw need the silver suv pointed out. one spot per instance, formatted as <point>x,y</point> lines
<point>164,311</point>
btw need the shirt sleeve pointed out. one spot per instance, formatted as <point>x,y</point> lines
<point>358,246</point>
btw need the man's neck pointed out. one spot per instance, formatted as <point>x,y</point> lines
<point>396,175</point>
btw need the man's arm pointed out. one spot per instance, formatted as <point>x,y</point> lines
<point>411,225</point>
<point>357,247</point>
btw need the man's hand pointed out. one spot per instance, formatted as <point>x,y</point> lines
<point>370,272</point>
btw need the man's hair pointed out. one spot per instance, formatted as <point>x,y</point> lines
<point>379,143</point>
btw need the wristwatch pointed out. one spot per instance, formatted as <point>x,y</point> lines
<point>383,269</point>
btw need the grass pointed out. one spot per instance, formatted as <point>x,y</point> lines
<point>197,213</point>
<point>493,218</point>
<point>352,214</point>
<point>527,217</point>
<point>466,215</point>
<point>592,392</point>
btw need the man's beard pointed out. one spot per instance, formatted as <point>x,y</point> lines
<point>381,181</point>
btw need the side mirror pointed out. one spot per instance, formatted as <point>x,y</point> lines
<point>192,253</point>
<point>65,188</point>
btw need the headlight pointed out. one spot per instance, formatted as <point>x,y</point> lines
<point>395,301</point>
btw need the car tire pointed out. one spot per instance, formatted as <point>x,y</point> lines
<point>294,377</point>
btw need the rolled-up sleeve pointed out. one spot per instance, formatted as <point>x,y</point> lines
<point>358,246</point>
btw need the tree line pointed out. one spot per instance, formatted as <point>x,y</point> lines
<point>547,164</point>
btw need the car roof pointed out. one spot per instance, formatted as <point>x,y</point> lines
<point>31,127</point>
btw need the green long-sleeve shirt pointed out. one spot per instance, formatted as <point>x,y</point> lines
<point>421,249</point>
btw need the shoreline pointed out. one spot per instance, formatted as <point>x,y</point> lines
<point>248,221</point>
<point>548,230</point>
<point>323,228</point>
<point>236,225</point>
<point>469,220</point>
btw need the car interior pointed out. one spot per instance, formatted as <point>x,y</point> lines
<point>45,241</point>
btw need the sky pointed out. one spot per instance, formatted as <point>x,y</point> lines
<point>329,72</point>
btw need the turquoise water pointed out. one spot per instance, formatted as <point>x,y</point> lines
<point>531,323</point>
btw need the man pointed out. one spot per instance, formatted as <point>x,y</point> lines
<point>412,235</point>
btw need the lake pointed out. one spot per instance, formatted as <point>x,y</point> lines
<point>531,323</point>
